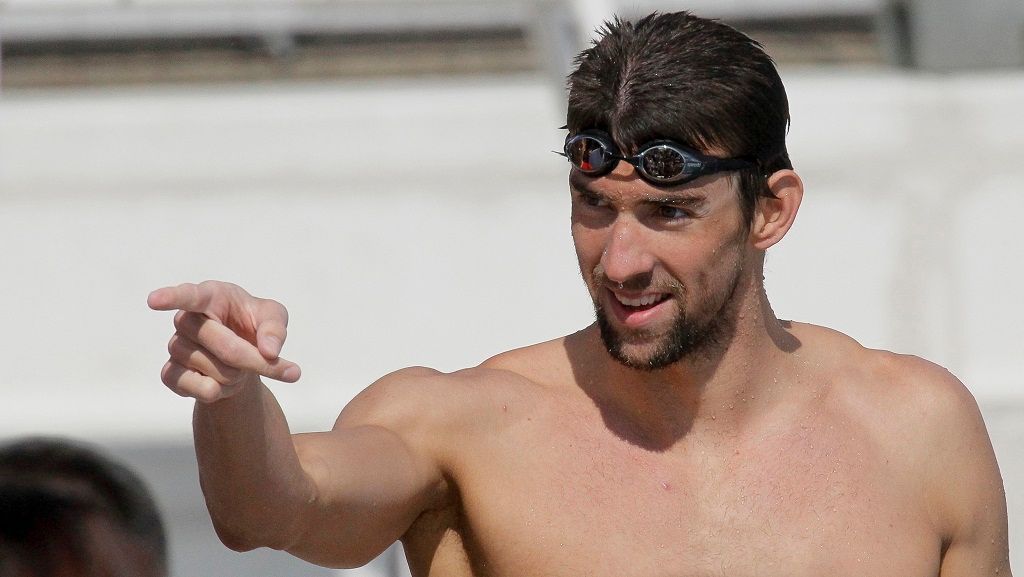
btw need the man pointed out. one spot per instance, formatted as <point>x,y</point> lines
<point>67,510</point>
<point>687,432</point>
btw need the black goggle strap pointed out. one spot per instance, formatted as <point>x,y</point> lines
<point>723,164</point>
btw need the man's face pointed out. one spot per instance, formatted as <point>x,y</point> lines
<point>661,264</point>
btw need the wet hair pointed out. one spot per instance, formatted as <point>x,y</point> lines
<point>60,501</point>
<point>692,80</point>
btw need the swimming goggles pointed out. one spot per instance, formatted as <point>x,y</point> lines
<point>660,162</point>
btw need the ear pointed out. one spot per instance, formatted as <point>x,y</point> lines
<point>773,217</point>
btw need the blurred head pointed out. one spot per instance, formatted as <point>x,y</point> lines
<point>66,510</point>
<point>691,80</point>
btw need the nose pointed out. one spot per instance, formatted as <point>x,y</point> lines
<point>626,256</point>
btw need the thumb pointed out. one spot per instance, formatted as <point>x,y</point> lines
<point>271,327</point>
<point>270,336</point>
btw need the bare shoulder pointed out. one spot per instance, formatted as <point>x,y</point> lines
<point>544,363</point>
<point>423,397</point>
<point>913,391</point>
<point>926,423</point>
<point>439,412</point>
<point>917,412</point>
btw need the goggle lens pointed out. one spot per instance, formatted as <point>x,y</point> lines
<point>663,164</point>
<point>588,154</point>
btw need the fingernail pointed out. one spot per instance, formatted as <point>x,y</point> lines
<point>291,373</point>
<point>272,344</point>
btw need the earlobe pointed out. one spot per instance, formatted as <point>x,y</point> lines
<point>773,217</point>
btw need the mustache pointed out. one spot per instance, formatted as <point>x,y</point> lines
<point>639,283</point>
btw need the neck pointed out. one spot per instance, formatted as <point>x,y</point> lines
<point>718,389</point>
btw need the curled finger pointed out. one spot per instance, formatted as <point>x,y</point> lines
<point>188,383</point>
<point>192,356</point>
<point>231,349</point>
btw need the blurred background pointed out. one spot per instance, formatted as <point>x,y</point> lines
<point>383,168</point>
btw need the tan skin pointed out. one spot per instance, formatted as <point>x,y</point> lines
<point>789,450</point>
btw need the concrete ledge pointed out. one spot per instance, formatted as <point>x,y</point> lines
<point>179,19</point>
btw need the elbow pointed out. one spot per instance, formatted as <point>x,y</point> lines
<point>237,539</point>
<point>244,526</point>
<point>246,536</point>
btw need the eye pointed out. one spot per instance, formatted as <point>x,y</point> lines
<point>591,199</point>
<point>671,212</point>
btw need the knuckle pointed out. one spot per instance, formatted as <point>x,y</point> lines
<point>208,392</point>
<point>171,375</point>
<point>210,284</point>
<point>178,347</point>
<point>269,370</point>
<point>180,391</point>
<point>226,287</point>
<point>230,375</point>
<point>165,375</point>
<point>197,386</point>
<point>271,307</point>
<point>185,322</point>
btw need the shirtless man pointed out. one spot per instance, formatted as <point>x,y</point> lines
<point>688,432</point>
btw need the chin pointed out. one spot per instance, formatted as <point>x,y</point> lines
<point>685,339</point>
<point>641,359</point>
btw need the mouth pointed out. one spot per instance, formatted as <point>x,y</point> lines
<point>637,310</point>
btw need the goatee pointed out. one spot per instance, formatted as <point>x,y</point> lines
<point>687,339</point>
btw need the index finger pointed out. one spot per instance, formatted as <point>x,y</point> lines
<point>187,297</point>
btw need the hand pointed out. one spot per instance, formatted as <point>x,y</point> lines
<point>224,337</point>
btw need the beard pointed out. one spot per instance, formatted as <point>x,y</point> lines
<point>689,336</point>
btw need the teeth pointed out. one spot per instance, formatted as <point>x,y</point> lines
<point>640,302</point>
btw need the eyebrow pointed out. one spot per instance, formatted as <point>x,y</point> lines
<point>580,183</point>
<point>689,201</point>
<point>681,198</point>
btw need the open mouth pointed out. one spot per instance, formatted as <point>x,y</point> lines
<point>643,302</point>
<point>638,310</point>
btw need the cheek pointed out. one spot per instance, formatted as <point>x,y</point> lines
<point>589,245</point>
<point>721,272</point>
<point>703,264</point>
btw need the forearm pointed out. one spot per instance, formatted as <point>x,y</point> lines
<point>254,485</point>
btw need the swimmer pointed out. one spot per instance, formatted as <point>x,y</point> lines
<point>687,432</point>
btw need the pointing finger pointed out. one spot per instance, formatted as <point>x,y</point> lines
<point>187,296</point>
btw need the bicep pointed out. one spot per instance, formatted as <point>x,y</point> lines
<point>973,501</point>
<point>978,543</point>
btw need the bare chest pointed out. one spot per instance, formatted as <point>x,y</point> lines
<point>801,502</point>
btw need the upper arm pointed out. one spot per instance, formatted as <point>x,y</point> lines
<point>964,485</point>
<point>373,474</point>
